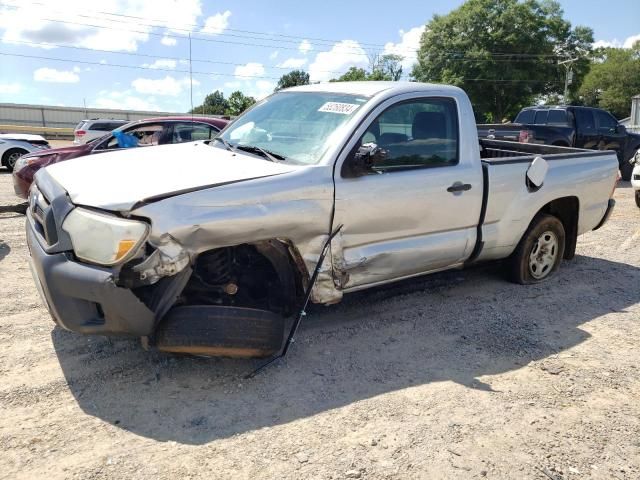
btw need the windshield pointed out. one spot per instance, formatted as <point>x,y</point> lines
<point>296,127</point>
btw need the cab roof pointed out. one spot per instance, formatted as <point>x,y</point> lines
<point>370,89</point>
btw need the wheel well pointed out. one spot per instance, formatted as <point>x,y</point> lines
<point>269,275</point>
<point>6,154</point>
<point>566,209</point>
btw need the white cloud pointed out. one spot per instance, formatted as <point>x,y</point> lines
<point>45,74</point>
<point>628,43</point>
<point>615,43</point>
<point>216,24</point>
<point>167,86</point>
<point>10,88</point>
<point>44,22</point>
<point>168,41</point>
<point>257,89</point>
<point>293,63</point>
<point>344,54</point>
<point>77,69</point>
<point>165,63</point>
<point>123,101</point>
<point>407,47</point>
<point>274,55</point>
<point>305,47</point>
<point>249,70</point>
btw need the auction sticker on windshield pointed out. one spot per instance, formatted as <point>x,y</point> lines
<point>338,107</point>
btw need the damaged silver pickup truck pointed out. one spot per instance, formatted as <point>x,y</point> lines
<point>208,247</point>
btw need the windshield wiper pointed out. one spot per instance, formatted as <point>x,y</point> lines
<point>271,156</point>
<point>227,145</point>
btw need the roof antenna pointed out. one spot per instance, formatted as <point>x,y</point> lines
<point>301,312</point>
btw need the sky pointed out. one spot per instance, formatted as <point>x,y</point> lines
<point>134,54</point>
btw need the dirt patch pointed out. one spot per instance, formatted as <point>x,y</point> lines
<point>458,375</point>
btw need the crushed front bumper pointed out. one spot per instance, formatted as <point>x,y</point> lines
<point>85,298</point>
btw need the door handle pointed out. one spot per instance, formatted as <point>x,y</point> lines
<point>459,187</point>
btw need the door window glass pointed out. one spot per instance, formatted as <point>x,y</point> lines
<point>417,133</point>
<point>584,119</point>
<point>557,117</point>
<point>146,135</point>
<point>541,117</point>
<point>190,132</point>
<point>605,121</point>
<point>525,116</point>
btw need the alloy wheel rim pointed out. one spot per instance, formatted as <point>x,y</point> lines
<point>13,158</point>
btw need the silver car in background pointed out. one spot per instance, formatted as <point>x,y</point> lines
<point>14,145</point>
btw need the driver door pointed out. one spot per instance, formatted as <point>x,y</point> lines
<point>418,210</point>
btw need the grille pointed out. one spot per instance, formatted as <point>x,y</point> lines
<point>43,216</point>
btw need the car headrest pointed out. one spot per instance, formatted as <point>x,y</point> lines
<point>428,125</point>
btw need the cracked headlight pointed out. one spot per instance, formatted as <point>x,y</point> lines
<point>103,239</point>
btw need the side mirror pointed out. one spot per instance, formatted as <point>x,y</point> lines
<point>621,129</point>
<point>362,161</point>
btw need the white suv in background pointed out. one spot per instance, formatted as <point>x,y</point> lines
<point>87,130</point>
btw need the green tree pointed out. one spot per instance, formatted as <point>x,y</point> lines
<point>293,79</point>
<point>613,79</point>
<point>214,104</point>
<point>238,102</point>
<point>383,67</point>
<point>503,53</point>
<point>386,67</point>
<point>354,74</point>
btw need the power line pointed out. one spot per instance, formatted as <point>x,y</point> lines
<point>135,67</point>
<point>355,51</point>
<point>158,23</point>
<point>157,57</point>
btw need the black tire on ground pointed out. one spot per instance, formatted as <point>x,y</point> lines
<point>539,252</point>
<point>638,198</point>
<point>10,156</point>
<point>625,171</point>
<point>220,331</point>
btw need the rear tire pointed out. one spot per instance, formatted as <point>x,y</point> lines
<point>11,156</point>
<point>221,331</point>
<point>539,252</point>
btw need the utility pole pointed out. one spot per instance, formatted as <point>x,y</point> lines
<point>568,78</point>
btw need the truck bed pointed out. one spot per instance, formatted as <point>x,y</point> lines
<point>586,177</point>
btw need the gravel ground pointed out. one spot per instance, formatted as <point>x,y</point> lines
<point>459,375</point>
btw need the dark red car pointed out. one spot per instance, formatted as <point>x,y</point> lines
<point>152,131</point>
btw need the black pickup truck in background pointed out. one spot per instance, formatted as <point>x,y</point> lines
<point>579,127</point>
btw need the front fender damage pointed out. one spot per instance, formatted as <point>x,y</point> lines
<point>166,260</point>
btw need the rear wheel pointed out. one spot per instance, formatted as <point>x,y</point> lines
<point>539,252</point>
<point>11,156</point>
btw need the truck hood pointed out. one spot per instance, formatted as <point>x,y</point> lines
<point>119,180</point>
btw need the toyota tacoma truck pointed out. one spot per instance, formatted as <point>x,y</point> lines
<point>208,247</point>
<point>579,127</point>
